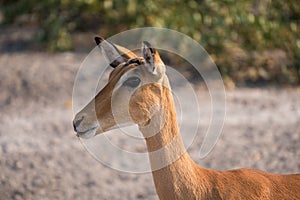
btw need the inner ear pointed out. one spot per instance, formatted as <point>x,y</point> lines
<point>148,54</point>
<point>113,53</point>
<point>110,51</point>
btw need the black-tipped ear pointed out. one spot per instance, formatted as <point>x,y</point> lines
<point>148,53</point>
<point>110,52</point>
<point>153,62</point>
<point>149,46</point>
<point>98,39</point>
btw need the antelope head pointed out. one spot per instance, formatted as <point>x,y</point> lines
<point>132,94</point>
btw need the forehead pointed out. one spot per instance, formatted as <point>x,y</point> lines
<point>122,69</point>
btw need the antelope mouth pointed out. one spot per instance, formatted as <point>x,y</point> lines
<point>87,133</point>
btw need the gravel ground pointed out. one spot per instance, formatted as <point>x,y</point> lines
<point>42,159</point>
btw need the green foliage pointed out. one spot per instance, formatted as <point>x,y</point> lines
<point>241,36</point>
<point>57,19</point>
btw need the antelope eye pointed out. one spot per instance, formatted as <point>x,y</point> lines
<point>132,82</point>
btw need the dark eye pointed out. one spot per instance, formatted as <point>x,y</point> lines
<point>132,82</point>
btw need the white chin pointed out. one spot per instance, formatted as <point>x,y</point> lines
<point>118,126</point>
<point>88,134</point>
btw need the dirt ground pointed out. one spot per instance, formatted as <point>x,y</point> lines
<point>41,158</point>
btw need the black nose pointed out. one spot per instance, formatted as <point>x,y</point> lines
<point>76,123</point>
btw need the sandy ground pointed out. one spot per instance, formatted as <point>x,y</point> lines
<point>42,159</point>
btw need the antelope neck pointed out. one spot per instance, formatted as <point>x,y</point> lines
<point>172,167</point>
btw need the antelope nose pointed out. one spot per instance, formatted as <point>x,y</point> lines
<point>77,122</point>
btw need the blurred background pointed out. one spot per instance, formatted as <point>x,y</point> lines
<point>255,44</point>
<point>251,41</point>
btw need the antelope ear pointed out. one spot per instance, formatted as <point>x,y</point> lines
<point>114,54</point>
<point>152,59</point>
<point>148,54</point>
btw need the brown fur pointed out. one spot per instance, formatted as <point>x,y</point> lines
<point>183,179</point>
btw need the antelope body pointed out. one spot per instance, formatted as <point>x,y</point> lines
<point>138,91</point>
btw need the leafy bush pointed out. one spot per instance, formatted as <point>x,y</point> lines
<point>241,36</point>
<point>56,19</point>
